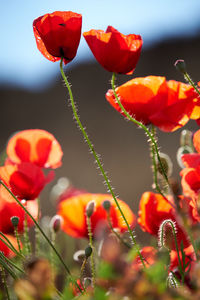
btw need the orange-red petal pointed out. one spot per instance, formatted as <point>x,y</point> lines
<point>37,146</point>
<point>73,212</point>
<point>114,51</point>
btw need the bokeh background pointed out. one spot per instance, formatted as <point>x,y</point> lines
<point>33,94</point>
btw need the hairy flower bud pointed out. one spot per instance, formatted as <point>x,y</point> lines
<point>90,209</point>
<point>186,138</point>
<point>15,221</point>
<point>180,66</point>
<point>88,251</point>
<point>55,223</point>
<point>166,165</point>
<point>106,205</point>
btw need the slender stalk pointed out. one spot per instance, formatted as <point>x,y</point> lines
<point>91,147</point>
<point>37,239</point>
<point>27,244</point>
<point>191,82</point>
<point>4,282</point>
<point>129,117</point>
<point>9,245</point>
<point>17,238</point>
<point>44,235</point>
<point>83,267</point>
<point>92,254</point>
<point>9,261</point>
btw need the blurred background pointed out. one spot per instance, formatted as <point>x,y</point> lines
<point>33,94</point>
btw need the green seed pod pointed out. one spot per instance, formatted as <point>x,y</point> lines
<point>88,251</point>
<point>14,221</point>
<point>106,205</point>
<point>166,164</point>
<point>180,66</point>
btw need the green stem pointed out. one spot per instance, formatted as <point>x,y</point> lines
<point>27,245</point>
<point>191,82</point>
<point>9,262</point>
<point>92,254</point>
<point>153,141</point>
<point>37,239</point>
<point>91,147</point>
<point>4,282</point>
<point>18,239</point>
<point>9,245</point>
<point>42,232</point>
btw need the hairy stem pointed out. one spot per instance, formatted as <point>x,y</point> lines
<point>91,147</point>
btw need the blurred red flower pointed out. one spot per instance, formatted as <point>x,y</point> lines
<point>25,180</point>
<point>114,51</point>
<point>7,251</point>
<point>149,255</point>
<point>192,160</point>
<point>10,208</point>
<point>36,146</point>
<point>191,181</point>
<point>153,210</point>
<point>166,104</point>
<point>58,35</point>
<point>73,212</point>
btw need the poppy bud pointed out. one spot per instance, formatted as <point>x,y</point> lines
<point>87,282</point>
<point>166,164</point>
<point>79,255</point>
<point>182,150</point>
<point>14,221</point>
<point>55,223</point>
<point>90,209</point>
<point>106,205</point>
<point>88,251</point>
<point>186,138</point>
<point>180,66</point>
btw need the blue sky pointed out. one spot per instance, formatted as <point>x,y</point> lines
<point>22,64</point>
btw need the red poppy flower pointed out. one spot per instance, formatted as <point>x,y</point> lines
<point>36,146</point>
<point>114,51</point>
<point>192,160</point>
<point>25,180</point>
<point>73,212</point>
<point>10,208</point>
<point>190,208</point>
<point>166,104</point>
<point>7,251</point>
<point>58,35</point>
<point>154,209</point>
<point>191,181</point>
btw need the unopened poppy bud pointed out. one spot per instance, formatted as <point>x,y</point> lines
<point>55,223</point>
<point>79,255</point>
<point>180,66</point>
<point>88,251</point>
<point>186,138</point>
<point>182,150</point>
<point>167,166</point>
<point>87,282</point>
<point>106,205</point>
<point>90,209</point>
<point>15,221</point>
